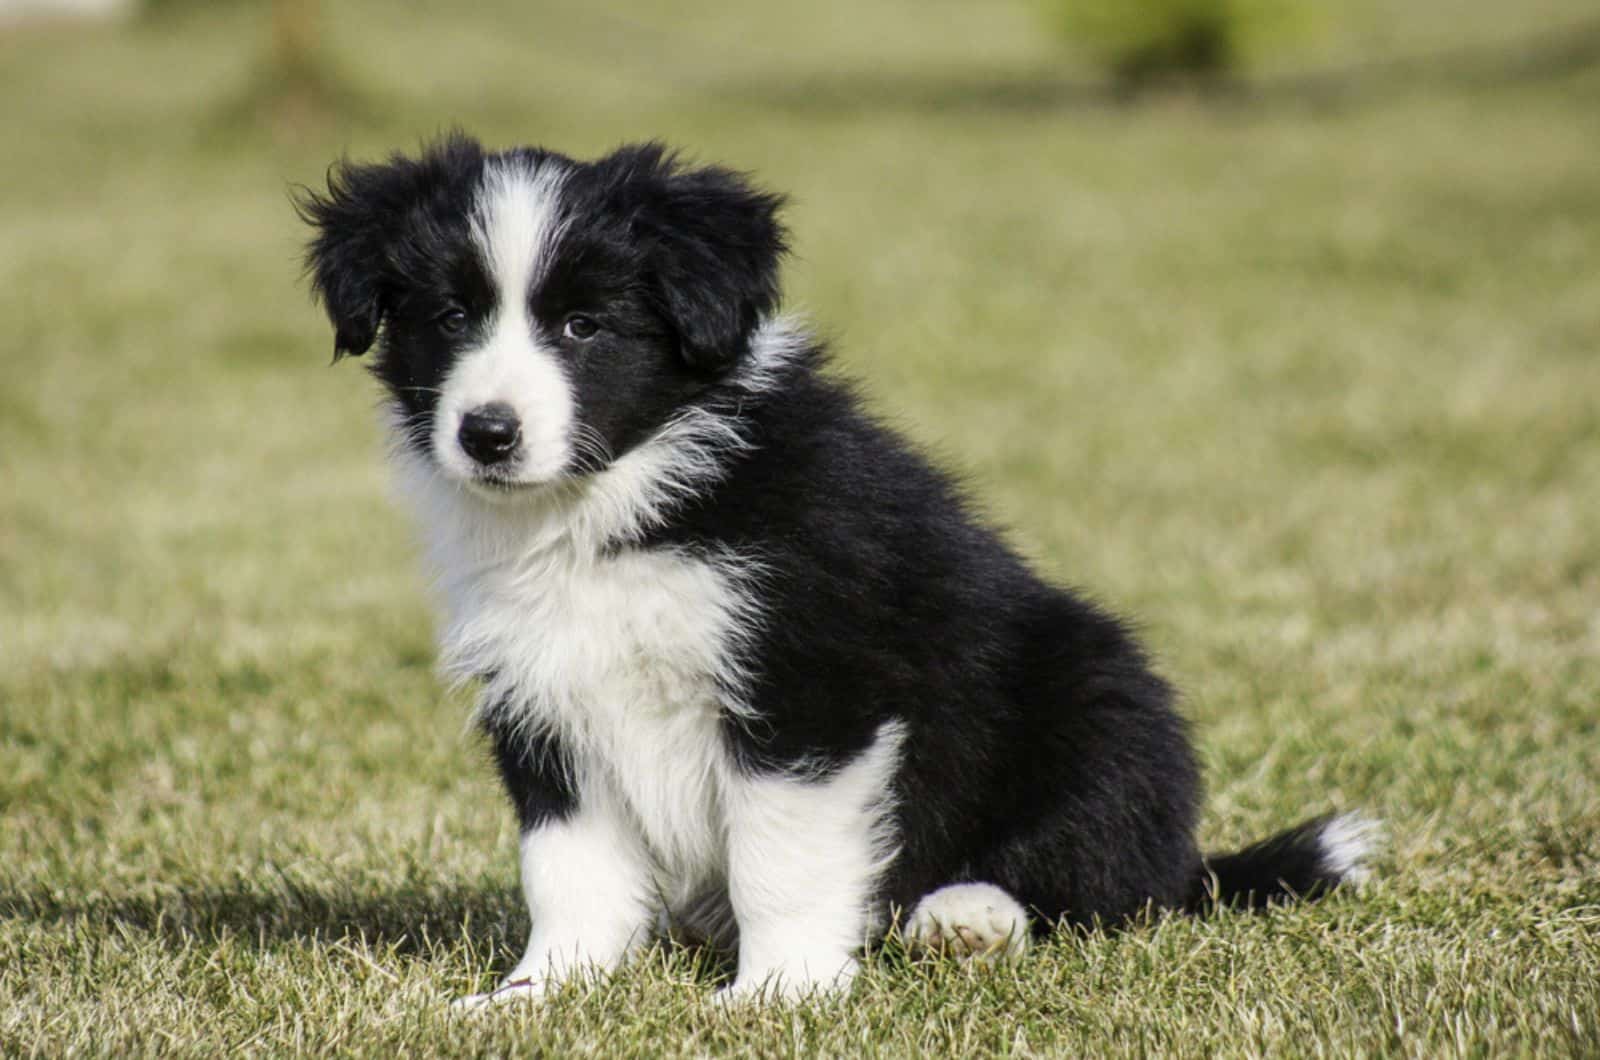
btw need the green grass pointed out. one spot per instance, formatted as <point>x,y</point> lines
<point>1311,391</point>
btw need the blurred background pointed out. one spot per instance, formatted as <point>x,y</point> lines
<point>1273,324</point>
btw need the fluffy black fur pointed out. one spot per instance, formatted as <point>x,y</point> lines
<point>1044,753</point>
<point>1047,756</point>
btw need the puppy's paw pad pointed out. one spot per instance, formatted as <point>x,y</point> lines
<point>969,921</point>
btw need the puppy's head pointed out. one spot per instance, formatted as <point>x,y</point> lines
<point>536,317</point>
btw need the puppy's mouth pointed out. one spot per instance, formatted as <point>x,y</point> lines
<point>499,483</point>
<point>504,483</point>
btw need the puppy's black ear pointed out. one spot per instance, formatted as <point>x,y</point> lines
<point>713,244</point>
<point>352,259</point>
<point>346,257</point>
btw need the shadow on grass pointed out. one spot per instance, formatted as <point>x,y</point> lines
<point>419,921</point>
<point>1546,56</point>
<point>412,919</point>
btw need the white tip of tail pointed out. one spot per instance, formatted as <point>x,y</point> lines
<point>1348,844</point>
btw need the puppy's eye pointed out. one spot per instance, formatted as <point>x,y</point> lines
<point>452,321</point>
<point>580,327</point>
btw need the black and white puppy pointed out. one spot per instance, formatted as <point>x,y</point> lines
<point>749,664</point>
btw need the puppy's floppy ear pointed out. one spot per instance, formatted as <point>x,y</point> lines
<point>712,244</point>
<point>346,257</point>
<point>352,259</point>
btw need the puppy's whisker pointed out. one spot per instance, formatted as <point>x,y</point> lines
<point>591,448</point>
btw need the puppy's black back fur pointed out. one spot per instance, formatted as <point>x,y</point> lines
<point>1046,756</point>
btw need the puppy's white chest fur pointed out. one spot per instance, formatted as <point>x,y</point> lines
<point>628,659</point>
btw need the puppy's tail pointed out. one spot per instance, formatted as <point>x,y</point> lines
<point>1306,861</point>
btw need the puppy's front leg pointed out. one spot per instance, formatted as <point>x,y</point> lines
<point>805,856</point>
<point>588,887</point>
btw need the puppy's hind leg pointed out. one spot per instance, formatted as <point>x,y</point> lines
<point>969,921</point>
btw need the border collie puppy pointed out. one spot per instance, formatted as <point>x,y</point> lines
<point>750,666</point>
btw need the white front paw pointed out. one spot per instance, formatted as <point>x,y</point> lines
<point>789,984</point>
<point>509,992</point>
<point>969,921</point>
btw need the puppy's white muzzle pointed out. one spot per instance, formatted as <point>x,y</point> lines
<point>505,415</point>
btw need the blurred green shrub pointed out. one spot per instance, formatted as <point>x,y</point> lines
<point>1140,42</point>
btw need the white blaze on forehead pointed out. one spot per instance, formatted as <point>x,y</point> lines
<point>515,223</point>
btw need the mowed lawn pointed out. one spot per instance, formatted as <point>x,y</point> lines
<point>1311,388</point>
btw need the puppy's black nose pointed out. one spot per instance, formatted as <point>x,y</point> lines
<point>490,433</point>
